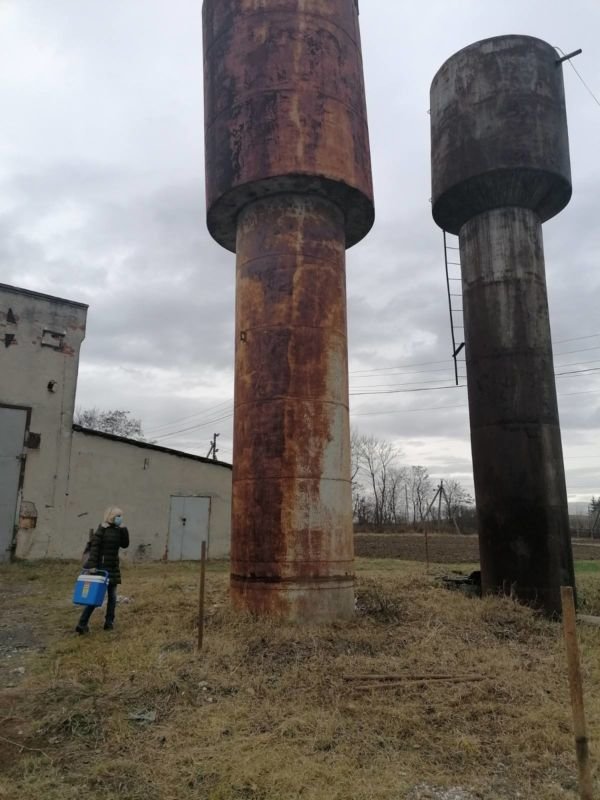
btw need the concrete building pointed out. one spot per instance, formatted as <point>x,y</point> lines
<point>56,478</point>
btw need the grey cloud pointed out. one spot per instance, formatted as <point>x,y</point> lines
<point>102,200</point>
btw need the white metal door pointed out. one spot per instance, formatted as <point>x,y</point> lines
<point>188,527</point>
<point>13,422</point>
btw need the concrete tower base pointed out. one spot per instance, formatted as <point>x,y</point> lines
<point>515,434</point>
<point>292,546</point>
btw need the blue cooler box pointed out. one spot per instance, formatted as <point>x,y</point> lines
<point>90,590</point>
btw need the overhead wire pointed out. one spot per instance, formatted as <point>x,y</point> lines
<point>445,361</point>
<point>576,372</point>
<point>191,428</point>
<point>381,389</point>
<point>202,413</point>
<point>579,75</point>
<point>194,427</point>
<point>406,391</point>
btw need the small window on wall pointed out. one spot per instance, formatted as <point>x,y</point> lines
<point>54,339</point>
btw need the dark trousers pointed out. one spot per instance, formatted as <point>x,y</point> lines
<point>111,604</point>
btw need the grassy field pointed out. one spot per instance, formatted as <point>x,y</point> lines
<point>270,711</point>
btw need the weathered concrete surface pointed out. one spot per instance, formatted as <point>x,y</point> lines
<point>288,186</point>
<point>285,108</point>
<point>500,167</point>
<point>499,131</point>
<point>292,550</point>
<point>515,431</point>
<point>39,373</point>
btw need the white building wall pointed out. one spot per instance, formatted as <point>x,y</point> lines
<point>106,471</point>
<point>40,337</point>
<point>70,477</point>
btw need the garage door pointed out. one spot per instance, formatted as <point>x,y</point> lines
<point>188,527</point>
<point>13,422</point>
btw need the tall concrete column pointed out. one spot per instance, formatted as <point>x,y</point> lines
<point>515,432</point>
<point>288,183</point>
<point>500,167</point>
<point>292,497</point>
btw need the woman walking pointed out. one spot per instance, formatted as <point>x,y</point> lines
<point>104,554</point>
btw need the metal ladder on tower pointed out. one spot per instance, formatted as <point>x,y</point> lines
<point>454,286</point>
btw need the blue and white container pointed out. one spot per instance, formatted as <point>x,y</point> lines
<point>90,589</point>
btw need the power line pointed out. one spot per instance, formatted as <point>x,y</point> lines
<point>579,75</point>
<point>203,413</point>
<point>579,363</point>
<point>404,391</point>
<point>390,390</point>
<point>583,350</point>
<point>412,372</point>
<point>574,394</point>
<point>576,372</point>
<point>378,413</point>
<point>440,408</point>
<point>404,411</point>
<point>577,338</point>
<point>445,361</point>
<point>407,383</point>
<point>398,366</point>
<point>463,377</point>
<point>194,427</point>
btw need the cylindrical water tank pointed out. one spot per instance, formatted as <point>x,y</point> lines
<point>499,131</point>
<point>285,109</point>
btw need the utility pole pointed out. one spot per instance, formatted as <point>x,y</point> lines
<point>213,447</point>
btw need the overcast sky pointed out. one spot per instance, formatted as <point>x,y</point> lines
<point>102,201</point>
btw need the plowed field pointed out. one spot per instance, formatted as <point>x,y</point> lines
<point>444,548</point>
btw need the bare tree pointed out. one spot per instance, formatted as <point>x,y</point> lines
<point>355,447</point>
<point>455,499</point>
<point>395,510</point>
<point>384,492</point>
<point>421,491</point>
<point>375,460</point>
<point>117,422</point>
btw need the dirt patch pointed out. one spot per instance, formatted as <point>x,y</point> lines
<point>19,635</point>
<point>21,640</point>
<point>444,548</point>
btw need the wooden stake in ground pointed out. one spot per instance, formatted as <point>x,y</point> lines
<point>426,552</point>
<point>575,685</point>
<point>201,596</point>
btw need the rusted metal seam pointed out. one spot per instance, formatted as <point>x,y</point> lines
<point>322,262</point>
<point>278,397</point>
<point>263,478</point>
<point>296,327</point>
<point>284,14</point>
<point>246,95</point>
<point>304,581</point>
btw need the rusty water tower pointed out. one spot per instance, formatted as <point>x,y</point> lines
<point>288,186</point>
<point>500,168</point>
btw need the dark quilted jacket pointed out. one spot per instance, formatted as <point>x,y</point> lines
<point>104,550</point>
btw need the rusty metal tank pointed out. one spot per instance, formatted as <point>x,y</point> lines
<point>288,186</point>
<point>499,133</point>
<point>500,167</point>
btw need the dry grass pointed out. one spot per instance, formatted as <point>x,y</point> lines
<point>265,712</point>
